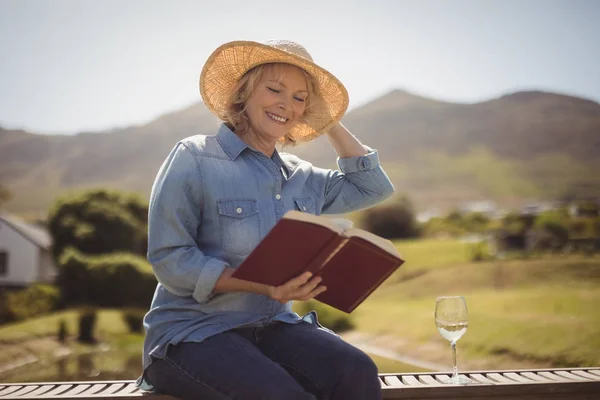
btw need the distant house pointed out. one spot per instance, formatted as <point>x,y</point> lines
<point>487,208</point>
<point>24,253</point>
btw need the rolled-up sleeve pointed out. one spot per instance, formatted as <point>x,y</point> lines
<point>175,214</point>
<point>360,183</point>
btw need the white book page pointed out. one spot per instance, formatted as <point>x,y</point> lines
<point>313,219</point>
<point>330,223</point>
<point>380,242</point>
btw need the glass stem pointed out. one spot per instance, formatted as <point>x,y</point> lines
<point>454,367</point>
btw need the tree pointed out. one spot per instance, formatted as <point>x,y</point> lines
<point>394,220</point>
<point>477,222</point>
<point>552,230</point>
<point>99,221</point>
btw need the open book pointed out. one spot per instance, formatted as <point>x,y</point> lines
<point>352,262</point>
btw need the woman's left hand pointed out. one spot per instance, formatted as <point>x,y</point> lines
<point>303,287</point>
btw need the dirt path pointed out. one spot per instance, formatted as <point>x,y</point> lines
<point>369,345</point>
<point>433,356</point>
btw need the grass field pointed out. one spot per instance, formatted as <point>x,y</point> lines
<point>38,337</point>
<point>108,322</point>
<point>542,310</point>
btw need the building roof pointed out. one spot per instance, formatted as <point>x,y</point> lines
<point>35,234</point>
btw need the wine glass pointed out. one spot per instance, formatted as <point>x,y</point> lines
<point>451,320</point>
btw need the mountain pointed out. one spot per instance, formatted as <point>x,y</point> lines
<point>521,145</point>
<point>517,126</point>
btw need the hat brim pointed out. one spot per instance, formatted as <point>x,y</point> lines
<point>229,62</point>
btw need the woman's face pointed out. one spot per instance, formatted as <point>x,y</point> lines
<point>278,101</point>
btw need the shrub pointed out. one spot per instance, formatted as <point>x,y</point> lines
<point>87,324</point>
<point>479,252</point>
<point>552,231</point>
<point>514,224</point>
<point>394,220</point>
<point>580,228</point>
<point>588,209</point>
<point>113,280</point>
<point>342,324</point>
<point>329,317</point>
<point>134,318</point>
<point>35,300</point>
<point>440,226</point>
<point>476,222</point>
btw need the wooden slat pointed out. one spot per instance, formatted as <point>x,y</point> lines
<point>94,389</point>
<point>9,389</point>
<point>112,388</point>
<point>499,378</point>
<point>594,371</point>
<point>129,388</point>
<point>517,377</point>
<point>39,391</point>
<point>481,379</point>
<point>441,377</point>
<point>428,380</point>
<point>77,389</point>
<point>571,376</point>
<point>410,380</point>
<point>57,390</point>
<point>585,375</point>
<point>536,377</point>
<point>393,381</point>
<point>24,390</point>
<point>89,383</point>
<point>552,376</point>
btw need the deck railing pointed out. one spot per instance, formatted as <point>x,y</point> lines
<point>540,384</point>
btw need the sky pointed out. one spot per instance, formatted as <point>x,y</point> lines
<point>69,66</point>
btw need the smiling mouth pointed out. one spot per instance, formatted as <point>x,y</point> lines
<point>276,118</point>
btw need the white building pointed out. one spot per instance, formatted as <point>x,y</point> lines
<point>24,253</point>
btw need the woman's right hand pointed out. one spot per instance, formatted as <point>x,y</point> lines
<point>303,287</point>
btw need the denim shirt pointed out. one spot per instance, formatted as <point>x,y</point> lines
<point>214,199</point>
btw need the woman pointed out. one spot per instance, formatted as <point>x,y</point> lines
<point>211,336</point>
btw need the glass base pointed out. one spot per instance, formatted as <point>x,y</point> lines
<point>459,380</point>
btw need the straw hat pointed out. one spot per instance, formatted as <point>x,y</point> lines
<point>228,63</point>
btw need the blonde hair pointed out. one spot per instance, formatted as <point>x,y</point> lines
<point>235,116</point>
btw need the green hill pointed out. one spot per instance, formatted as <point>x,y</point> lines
<point>528,145</point>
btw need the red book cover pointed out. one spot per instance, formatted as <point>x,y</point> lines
<point>352,263</point>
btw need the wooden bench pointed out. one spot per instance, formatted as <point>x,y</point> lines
<point>540,384</point>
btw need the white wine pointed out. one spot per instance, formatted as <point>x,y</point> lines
<point>452,331</point>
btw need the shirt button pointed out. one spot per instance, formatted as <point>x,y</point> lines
<point>239,210</point>
<point>303,208</point>
<point>278,196</point>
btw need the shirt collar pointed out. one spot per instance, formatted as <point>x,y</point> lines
<point>233,146</point>
<point>231,143</point>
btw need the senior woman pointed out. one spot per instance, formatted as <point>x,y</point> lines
<point>212,336</point>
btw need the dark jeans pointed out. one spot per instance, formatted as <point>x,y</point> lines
<point>281,361</point>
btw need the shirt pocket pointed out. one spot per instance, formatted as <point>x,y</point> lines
<point>304,204</point>
<point>239,225</point>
